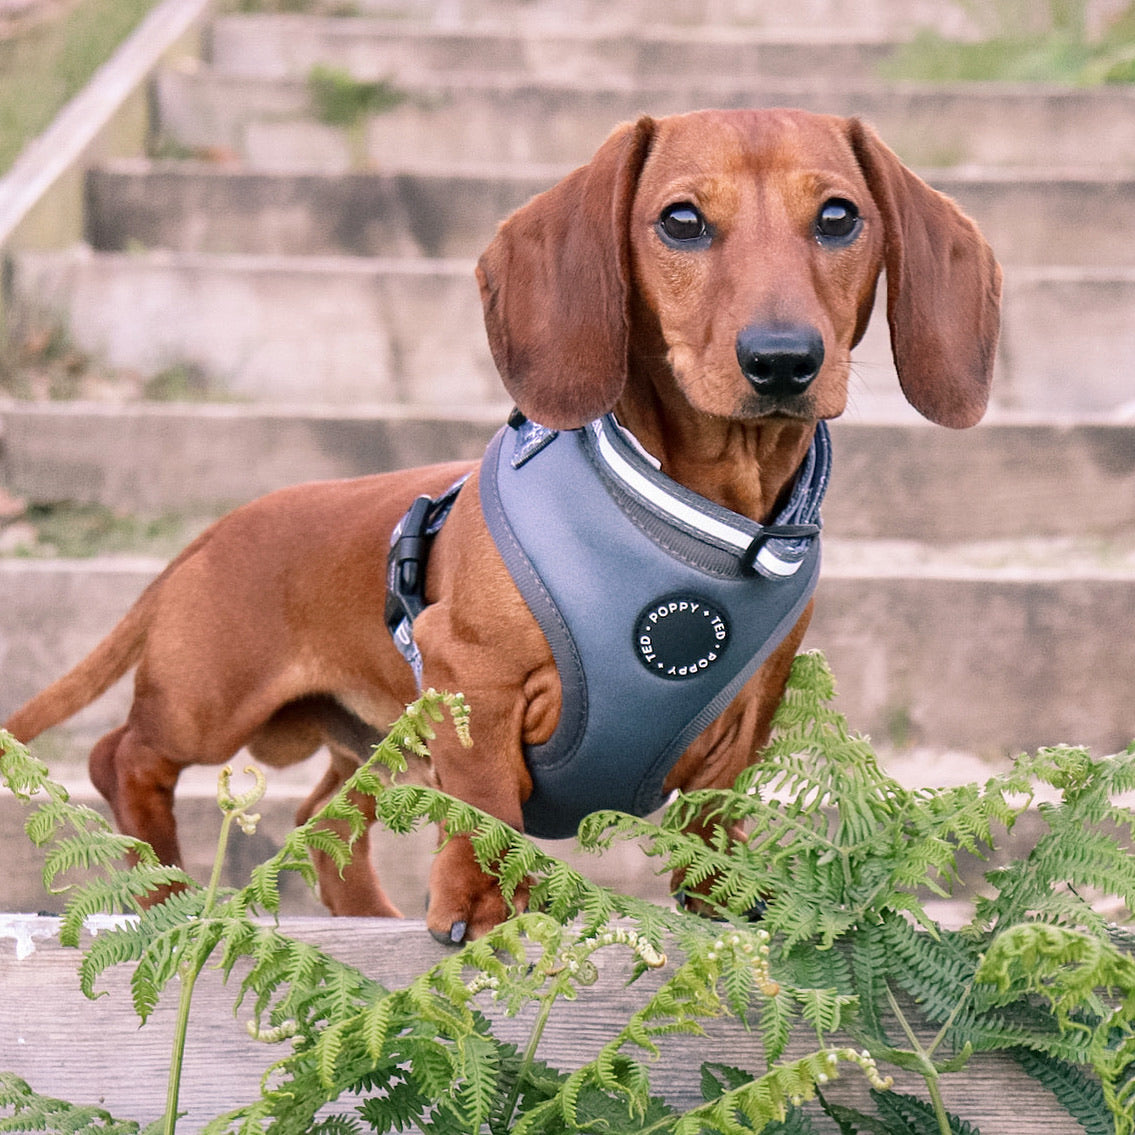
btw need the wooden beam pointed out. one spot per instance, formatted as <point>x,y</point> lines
<point>94,1052</point>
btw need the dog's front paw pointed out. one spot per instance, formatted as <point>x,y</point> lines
<point>465,903</point>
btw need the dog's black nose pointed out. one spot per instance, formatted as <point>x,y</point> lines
<point>780,360</point>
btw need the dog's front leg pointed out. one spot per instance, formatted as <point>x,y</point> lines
<point>478,638</point>
<point>465,902</point>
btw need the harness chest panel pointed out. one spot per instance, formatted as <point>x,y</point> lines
<point>656,615</point>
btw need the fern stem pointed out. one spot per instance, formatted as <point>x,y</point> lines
<point>188,978</point>
<point>187,975</point>
<point>937,1041</point>
<point>926,1065</point>
<point>526,1062</point>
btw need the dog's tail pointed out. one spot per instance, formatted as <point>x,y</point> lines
<point>91,677</point>
<point>120,650</point>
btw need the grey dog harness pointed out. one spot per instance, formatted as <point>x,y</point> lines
<point>657,604</point>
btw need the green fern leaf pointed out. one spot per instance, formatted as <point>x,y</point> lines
<point>118,891</point>
<point>398,1109</point>
<point>433,1067</point>
<point>479,1073</point>
<point>337,1125</point>
<point>851,1121</point>
<point>775,1026</point>
<point>164,955</point>
<point>825,1010</point>
<point>797,1122</point>
<point>917,1117</point>
<point>327,1049</point>
<point>1079,1094</point>
<point>717,1079</point>
<point>32,1112</point>
<point>117,946</point>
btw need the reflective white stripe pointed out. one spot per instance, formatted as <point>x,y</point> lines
<point>774,565</point>
<point>736,537</point>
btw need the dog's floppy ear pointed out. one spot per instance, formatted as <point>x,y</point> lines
<point>943,289</point>
<point>555,282</point>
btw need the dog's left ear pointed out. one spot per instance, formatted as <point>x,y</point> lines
<point>943,289</point>
<point>555,283</point>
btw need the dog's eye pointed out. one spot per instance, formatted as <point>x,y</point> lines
<point>838,221</point>
<point>683,223</point>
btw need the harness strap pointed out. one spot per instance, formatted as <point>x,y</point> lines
<point>406,569</point>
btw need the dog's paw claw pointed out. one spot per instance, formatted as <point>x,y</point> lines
<point>453,937</point>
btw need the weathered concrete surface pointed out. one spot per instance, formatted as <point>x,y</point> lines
<point>343,330</point>
<point>351,330</point>
<point>868,17</point>
<point>289,46</point>
<point>200,207</point>
<point>960,656</point>
<point>507,118</point>
<point>1037,218</point>
<point>202,460</point>
<point>1000,481</point>
<point>984,665</point>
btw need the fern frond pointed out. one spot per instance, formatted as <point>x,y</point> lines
<point>768,1098</point>
<point>56,814</point>
<point>931,971</point>
<point>400,1106</point>
<point>93,849</point>
<point>23,1110</point>
<point>1079,1094</point>
<point>797,1122</point>
<point>775,1026</point>
<point>119,891</point>
<point>337,1125</point>
<point>434,1067</point>
<point>917,1116</point>
<point>117,946</point>
<point>26,776</point>
<point>328,1046</point>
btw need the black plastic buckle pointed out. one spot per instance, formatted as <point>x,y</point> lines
<point>406,565</point>
<point>775,532</point>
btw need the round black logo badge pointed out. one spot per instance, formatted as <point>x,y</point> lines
<point>680,636</point>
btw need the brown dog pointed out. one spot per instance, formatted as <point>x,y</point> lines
<point>705,276</point>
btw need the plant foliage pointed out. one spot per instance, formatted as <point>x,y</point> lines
<point>839,859</point>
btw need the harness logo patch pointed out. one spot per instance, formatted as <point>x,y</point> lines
<point>680,636</point>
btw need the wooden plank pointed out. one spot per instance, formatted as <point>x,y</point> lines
<point>94,1052</point>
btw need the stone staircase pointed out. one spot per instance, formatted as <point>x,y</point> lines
<point>980,587</point>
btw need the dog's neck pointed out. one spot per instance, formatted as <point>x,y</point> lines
<point>745,466</point>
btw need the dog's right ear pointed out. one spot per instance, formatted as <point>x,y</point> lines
<point>555,283</point>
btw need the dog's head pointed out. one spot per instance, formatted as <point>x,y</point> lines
<point>734,255</point>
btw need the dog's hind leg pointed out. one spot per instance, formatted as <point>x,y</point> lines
<point>138,783</point>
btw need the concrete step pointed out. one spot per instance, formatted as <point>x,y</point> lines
<point>498,118</point>
<point>338,330</point>
<point>985,649</point>
<point>1006,481</point>
<point>289,46</point>
<point>891,18</point>
<point>1032,217</point>
<point>351,330</point>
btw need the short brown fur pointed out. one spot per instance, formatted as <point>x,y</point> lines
<point>267,631</point>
